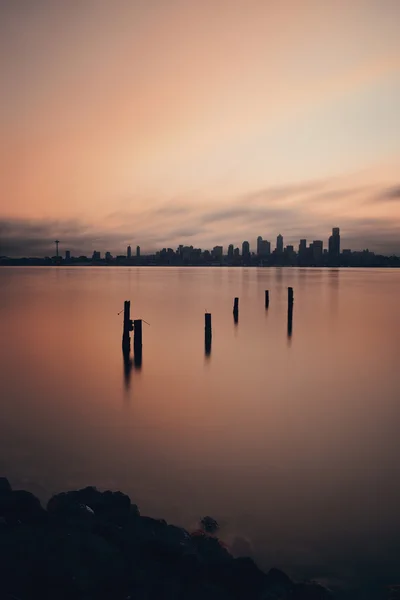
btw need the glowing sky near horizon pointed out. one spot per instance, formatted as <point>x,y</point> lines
<point>198,122</point>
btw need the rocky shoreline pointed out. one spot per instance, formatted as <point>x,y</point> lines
<point>95,545</point>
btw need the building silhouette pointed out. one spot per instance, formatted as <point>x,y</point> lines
<point>96,255</point>
<point>129,252</point>
<point>138,251</point>
<point>217,252</point>
<point>230,251</point>
<point>334,243</point>
<point>245,251</point>
<point>279,244</point>
<point>263,247</point>
<point>67,255</point>
<point>317,251</point>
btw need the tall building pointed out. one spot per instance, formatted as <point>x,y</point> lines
<point>236,252</point>
<point>259,244</point>
<point>279,244</point>
<point>96,255</point>
<point>129,252</point>
<point>217,252</point>
<point>108,256</point>
<point>230,251</point>
<point>302,247</point>
<point>246,250</point>
<point>67,255</point>
<point>265,248</point>
<point>138,251</point>
<point>334,243</point>
<point>318,250</point>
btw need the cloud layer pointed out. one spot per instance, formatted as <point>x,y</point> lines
<point>266,212</point>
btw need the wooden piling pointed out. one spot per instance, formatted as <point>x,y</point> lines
<point>236,310</point>
<point>290,312</point>
<point>266,298</point>
<point>207,332</point>
<point>126,342</point>
<point>207,322</point>
<point>137,336</point>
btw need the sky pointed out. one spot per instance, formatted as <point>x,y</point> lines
<point>198,122</point>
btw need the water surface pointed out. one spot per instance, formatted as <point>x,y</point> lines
<point>292,443</point>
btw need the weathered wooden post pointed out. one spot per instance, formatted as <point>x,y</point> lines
<point>137,336</point>
<point>290,312</point>
<point>266,298</point>
<point>128,326</point>
<point>236,310</point>
<point>207,332</point>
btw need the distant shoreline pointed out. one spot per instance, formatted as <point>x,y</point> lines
<point>33,263</point>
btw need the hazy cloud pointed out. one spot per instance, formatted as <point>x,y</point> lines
<point>210,223</point>
<point>391,194</point>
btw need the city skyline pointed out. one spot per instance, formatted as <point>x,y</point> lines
<point>197,122</point>
<point>303,253</point>
<point>262,247</point>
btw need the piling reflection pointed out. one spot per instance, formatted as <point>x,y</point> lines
<point>137,359</point>
<point>127,369</point>
<point>290,321</point>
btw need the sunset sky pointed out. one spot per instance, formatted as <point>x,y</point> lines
<point>198,122</point>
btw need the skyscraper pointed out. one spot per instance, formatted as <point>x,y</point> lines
<point>138,251</point>
<point>67,255</point>
<point>265,248</point>
<point>230,251</point>
<point>334,243</point>
<point>246,251</point>
<point>259,243</point>
<point>318,249</point>
<point>129,252</point>
<point>279,244</point>
<point>217,252</point>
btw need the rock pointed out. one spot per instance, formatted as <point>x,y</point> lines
<point>113,507</point>
<point>311,591</point>
<point>116,507</point>
<point>210,550</point>
<point>4,485</point>
<point>209,525</point>
<point>277,586</point>
<point>20,506</point>
<point>66,508</point>
<point>244,579</point>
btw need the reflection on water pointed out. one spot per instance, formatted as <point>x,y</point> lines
<point>291,446</point>
<point>127,368</point>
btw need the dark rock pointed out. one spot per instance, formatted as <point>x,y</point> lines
<point>20,506</point>
<point>113,507</point>
<point>66,508</point>
<point>311,591</point>
<point>4,485</point>
<point>244,579</point>
<point>277,586</point>
<point>210,550</point>
<point>209,525</point>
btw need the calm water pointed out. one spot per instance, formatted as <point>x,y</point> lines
<point>292,444</point>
